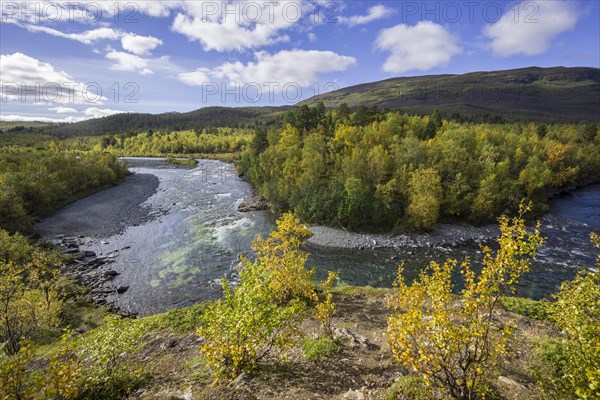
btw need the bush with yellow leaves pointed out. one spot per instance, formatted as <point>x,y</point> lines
<point>454,342</point>
<point>18,380</point>
<point>571,366</point>
<point>30,291</point>
<point>264,311</point>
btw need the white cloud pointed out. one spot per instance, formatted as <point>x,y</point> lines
<point>311,37</point>
<point>53,11</point>
<point>94,112</point>
<point>63,110</point>
<point>421,47</point>
<point>28,118</point>
<point>87,37</point>
<point>298,66</point>
<point>140,45</point>
<point>129,62</point>
<point>531,33</point>
<point>142,65</point>
<point>374,13</point>
<point>90,113</point>
<point>136,44</point>
<point>222,26</point>
<point>26,78</point>
<point>239,25</point>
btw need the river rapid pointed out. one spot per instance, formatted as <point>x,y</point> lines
<point>193,236</point>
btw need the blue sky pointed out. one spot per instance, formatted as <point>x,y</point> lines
<point>67,61</point>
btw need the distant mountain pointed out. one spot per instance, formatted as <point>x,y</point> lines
<point>208,117</point>
<point>556,94</point>
<point>530,94</point>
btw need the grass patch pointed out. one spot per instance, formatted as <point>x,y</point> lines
<point>178,319</point>
<point>317,349</point>
<point>409,387</point>
<point>534,309</point>
<point>117,387</point>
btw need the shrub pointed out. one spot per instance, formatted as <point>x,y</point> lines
<point>264,311</point>
<point>454,343</point>
<point>63,372</point>
<point>30,291</point>
<point>409,387</point>
<point>19,380</point>
<point>107,352</point>
<point>326,309</point>
<point>317,349</point>
<point>576,359</point>
<point>246,325</point>
<point>530,308</point>
<point>16,382</point>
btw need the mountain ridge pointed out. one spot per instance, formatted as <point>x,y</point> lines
<point>532,94</point>
<point>555,94</point>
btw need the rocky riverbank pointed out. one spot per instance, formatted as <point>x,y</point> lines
<point>93,272</point>
<point>88,221</point>
<point>105,213</point>
<point>442,235</point>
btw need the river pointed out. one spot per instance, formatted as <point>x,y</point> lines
<point>178,257</point>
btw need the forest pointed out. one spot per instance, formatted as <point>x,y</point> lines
<point>381,170</point>
<point>35,182</point>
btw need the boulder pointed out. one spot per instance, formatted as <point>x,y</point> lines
<point>354,395</point>
<point>111,273</point>
<point>122,289</point>
<point>354,338</point>
<point>254,203</point>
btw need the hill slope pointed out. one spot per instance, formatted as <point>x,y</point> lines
<point>202,118</point>
<point>556,94</point>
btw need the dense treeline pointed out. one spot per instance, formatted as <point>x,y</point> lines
<point>150,143</point>
<point>370,169</point>
<point>35,182</point>
<point>204,118</point>
<point>205,141</point>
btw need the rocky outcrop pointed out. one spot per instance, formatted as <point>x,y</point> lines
<point>93,272</point>
<point>254,203</point>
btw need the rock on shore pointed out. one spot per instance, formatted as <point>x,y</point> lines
<point>254,203</point>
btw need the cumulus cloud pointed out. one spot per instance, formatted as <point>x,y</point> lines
<point>421,47</point>
<point>94,112</point>
<point>222,26</point>
<point>136,44</point>
<point>374,13</point>
<point>239,25</point>
<point>87,37</point>
<point>53,11</point>
<point>140,45</point>
<point>25,78</point>
<point>29,118</point>
<point>129,62</point>
<point>532,32</point>
<point>90,113</point>
<point>63,110</point>
<point>298,66</point>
